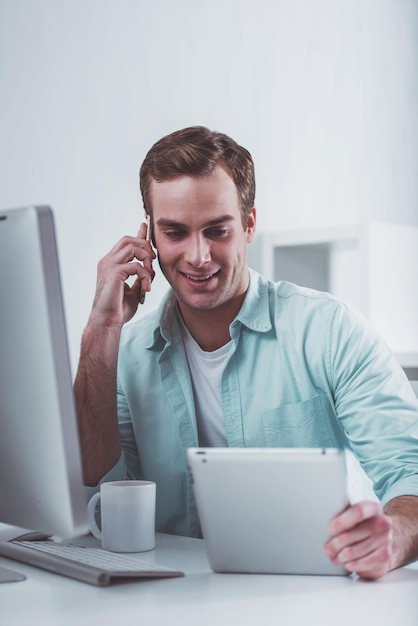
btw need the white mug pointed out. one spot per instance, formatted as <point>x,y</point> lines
<point>127,514</point>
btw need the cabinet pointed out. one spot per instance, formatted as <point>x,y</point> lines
<point>374,266</point>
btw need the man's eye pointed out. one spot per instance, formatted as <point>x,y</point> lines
<point>174,234</point>
<point>217,233</point>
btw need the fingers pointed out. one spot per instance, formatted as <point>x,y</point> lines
<point>117,293</point>
<point>354,515</point>
<point>130,248</point>
<point>134,249</point>
<point>361,540</point>
<point>145,232</point>
<point>142,232</point>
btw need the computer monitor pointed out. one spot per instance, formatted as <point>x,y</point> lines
<point>41,484</point>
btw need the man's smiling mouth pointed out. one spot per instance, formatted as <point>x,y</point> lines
<point>200,279</point>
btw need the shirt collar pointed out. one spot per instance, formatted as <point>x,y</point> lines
<point>254,312</point>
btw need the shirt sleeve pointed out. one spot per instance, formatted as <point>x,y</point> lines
<point>117,472</point>
<point>375,404</point>
<point>127,435</point>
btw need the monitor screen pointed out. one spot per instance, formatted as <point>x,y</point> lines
<point>41,486</point>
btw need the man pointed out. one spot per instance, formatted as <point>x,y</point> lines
<point>232,359</point>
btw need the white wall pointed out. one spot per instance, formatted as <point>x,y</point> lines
<point>324,93</point>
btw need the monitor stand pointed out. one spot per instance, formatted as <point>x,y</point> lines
<point>8,533</point>
<point>9,576</point>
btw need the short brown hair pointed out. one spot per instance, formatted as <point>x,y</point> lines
<point>196,151</point>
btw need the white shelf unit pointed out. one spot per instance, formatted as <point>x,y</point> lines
<point>374,266</point>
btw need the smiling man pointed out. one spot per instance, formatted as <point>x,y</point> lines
<point>202,250</point>
<point>232,359</point>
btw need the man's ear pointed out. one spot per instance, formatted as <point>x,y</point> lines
<point>251,224</point>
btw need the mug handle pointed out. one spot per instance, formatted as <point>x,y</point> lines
<point>91,509</point>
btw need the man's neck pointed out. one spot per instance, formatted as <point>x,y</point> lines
<point>210,329</point>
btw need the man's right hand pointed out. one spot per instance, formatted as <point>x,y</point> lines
<point>115,303</point>
<point>116,300</point>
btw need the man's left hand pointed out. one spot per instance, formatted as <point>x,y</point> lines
<point>362,540</point>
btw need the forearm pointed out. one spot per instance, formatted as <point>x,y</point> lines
<point>403,512</point>
<point>95,396</point>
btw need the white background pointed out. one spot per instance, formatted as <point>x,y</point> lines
<point>324,94</point>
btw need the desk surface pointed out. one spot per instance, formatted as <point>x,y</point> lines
<point>203,598</point>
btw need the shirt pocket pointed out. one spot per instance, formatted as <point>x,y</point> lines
<point>298,424</point>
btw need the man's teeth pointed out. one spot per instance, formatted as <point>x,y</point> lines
<point>199,278</point>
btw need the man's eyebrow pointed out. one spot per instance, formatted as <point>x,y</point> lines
<point>166,223</point>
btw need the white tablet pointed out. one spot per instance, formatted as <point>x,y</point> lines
<point>267,510</point>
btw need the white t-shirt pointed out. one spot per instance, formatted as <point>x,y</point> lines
<point>206,373</point>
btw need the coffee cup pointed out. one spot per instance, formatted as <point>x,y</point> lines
<point>127,515</point>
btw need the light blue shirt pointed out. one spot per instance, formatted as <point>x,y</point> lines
<point>305,370</point>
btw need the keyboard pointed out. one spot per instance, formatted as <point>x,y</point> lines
<point>90,565</point>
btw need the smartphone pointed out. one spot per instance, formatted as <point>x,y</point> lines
<point>148,238</point>
<point>148,233</point>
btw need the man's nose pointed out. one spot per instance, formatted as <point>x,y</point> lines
<point>197,251</point>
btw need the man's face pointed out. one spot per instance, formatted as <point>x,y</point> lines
<point>201,241</point>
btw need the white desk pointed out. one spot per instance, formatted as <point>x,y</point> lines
<point>203,598</point>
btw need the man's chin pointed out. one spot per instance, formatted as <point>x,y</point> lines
<point>198,302</point>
